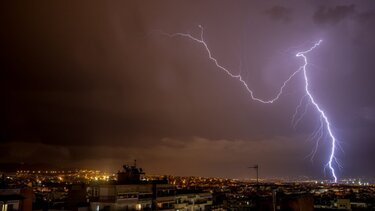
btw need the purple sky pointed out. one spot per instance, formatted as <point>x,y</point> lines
<point>96,85</point>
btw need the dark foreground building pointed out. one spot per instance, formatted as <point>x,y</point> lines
<point>131,192</point>
<point>16,199</point>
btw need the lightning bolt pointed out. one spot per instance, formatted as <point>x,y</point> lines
<point>322,114</point>
<point>294,121</point>
<point>229,73</point>
<point>323,118</point>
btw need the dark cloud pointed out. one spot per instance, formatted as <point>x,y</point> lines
<point>91,84</point>
<point>208,156</point>
<point>336,14</point>
<point>35,152</point>
<point>367,113</point>
<point>366,17</point>
<point>333,15</point>
<point>280,13</point>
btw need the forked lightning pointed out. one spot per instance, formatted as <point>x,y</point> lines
<point>303,54</point>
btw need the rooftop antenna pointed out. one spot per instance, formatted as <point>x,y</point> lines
<point>256,167</point>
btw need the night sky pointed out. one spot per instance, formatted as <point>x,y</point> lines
<point>96,85</point>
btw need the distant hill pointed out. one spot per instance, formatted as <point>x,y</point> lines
<point>13,167</point>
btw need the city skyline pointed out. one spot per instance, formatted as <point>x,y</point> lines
<point>97,85</point>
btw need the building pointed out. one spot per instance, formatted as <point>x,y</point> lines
<point>193,201</point>
<point>16,199</point>
<point>121,197</point>
<point>130,192</point>
<point>343,204</point>
<point>164,195</point>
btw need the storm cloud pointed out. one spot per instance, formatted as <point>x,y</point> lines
<point>280,13</point>
<point>94,84</point>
